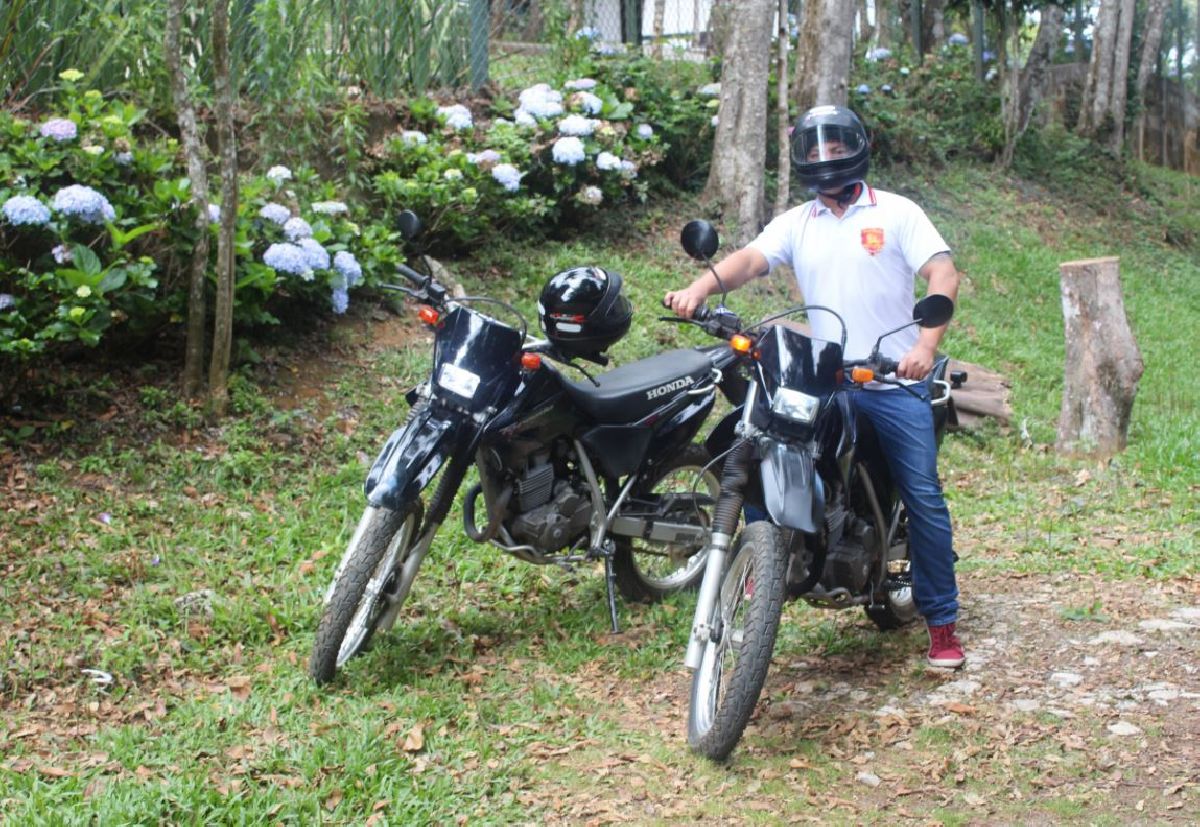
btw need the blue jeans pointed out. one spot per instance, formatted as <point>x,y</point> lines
<point>904,424</point>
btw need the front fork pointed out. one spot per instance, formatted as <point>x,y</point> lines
<point>725,519</point>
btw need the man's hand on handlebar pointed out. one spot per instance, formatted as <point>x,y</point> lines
<point>685,302</point>
<point>917,363</point>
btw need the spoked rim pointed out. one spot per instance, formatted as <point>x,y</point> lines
<point>369,610</point>
<point>719,660</point>
<point>683,562</point>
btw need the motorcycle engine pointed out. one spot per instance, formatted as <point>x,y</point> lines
<point>848,562</point>
<point>552,512</point>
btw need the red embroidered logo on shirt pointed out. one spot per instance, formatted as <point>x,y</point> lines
<point>872,239</point>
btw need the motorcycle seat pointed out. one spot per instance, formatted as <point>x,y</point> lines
<point>631,392</point>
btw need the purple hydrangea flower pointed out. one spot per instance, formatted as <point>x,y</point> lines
<point>62,254</point>
<point>296,229</point>
<point>568,150</point>
<point>958,39</point>
<point>348,267</point>
<point>214,213</point>
<point>318,256</point>
<point>583,84</point>
<point>25,210</point>
<point>339,299</point>
<point>508,176</point>
<point>84,203</point>
<point>7,301</point>
<point>275,213</point>
<point>645,131</point>
<point>877,54</point>
<point>289,258</point>
<point>59,129</point>
<point>488,156</point>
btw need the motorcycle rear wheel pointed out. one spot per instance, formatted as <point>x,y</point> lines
<point>372,579</point>
<point>648,572</point>
<point>733,668</point>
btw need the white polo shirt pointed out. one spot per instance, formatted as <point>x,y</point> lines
<point>861,265</point>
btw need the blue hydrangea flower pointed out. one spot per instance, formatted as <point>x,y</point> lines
<point>329,207</point>
<point>709,90</point>
<point>275,213</point>
<point>488,156</point>
<point>339,299</point>
<point>288,258</point>
<point>576,125</point>
<point>278,174</point>
<point>863,89</point>
<point>645,131</point>
<point>59,130</point>
<point>508,176</point>
<point>7,301</point>
<point>84,203</point>
<point>297,228</point>
<point>582,84</point>
<point>413,137</point>
<point>607,161</point>
<point>318,256</point>
<point>25,210</point>
<point>591,195</point>
<point>878,54</point>
<point>123,159</point>
<point>348,267</point>
<point>607,49</point>
<point>587,33</point>
<point>540,101</point>
<point>590,103</point>
<point>716,119</point>
<point>629,170</point>
<point>62,254</point>
<point>568,150</point>
<point>456,116</point>
<point>989,56</point>
<point>958,39</point>
<point>214,213</point>
<point>523,118</point>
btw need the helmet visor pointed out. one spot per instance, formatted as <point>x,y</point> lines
<point>828,142</point>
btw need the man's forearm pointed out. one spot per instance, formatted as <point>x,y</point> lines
<point>735,270</point>
<point>943,279</point>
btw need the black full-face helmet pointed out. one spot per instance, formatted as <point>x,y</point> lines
<point>829,148</point>
<point>584,311</point>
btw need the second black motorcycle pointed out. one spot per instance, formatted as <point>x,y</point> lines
<point>570,470</point>
<point>824,521</point>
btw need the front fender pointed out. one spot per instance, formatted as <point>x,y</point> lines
<point>792,491</point>
<point>410,459</point>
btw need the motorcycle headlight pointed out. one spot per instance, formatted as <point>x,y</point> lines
<point>794,405</point>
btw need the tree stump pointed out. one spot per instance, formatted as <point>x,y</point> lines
<point>1103,363</point>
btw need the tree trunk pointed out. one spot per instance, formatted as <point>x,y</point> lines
<point>1097,90</point>
<point>660,12</point>
<point>1103,364</point>
<point>735,179</point>
<point>1156,17</point>
<point>1120,81</point>
<point>865,30</point>
<point>1027,92</point>
<point>783,191</point>
<point>720,24</point>
<point>193,150</point>
<point>933,26</point>
<point>218,371</point>
<point>884,10</point>
<point>823,54</point>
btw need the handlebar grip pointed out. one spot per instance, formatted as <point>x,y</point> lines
<point>410,274</point>
<point>887,366</point>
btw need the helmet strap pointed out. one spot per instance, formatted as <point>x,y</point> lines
<point>849,194</point>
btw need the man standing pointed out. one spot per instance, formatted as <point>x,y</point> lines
<point>856,250</point>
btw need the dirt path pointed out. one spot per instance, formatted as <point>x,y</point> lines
<point>1053,719</point>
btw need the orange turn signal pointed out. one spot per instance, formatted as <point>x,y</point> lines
<point>531,361</point>
<point>428,315</point>
<point>741,344</point>
<point>861,375</point>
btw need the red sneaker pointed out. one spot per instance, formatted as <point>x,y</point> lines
<point>944,647</point>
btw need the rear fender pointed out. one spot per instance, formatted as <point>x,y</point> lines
<point>792,491</point>
<point>411,458</point>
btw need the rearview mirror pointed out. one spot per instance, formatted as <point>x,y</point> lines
<point>409,224</point>
<point>699,240</point>
<point>934,310</point>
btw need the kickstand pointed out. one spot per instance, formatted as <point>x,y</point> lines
<point>610,577</point>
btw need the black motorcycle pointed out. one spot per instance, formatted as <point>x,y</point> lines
<point>603,468</point>
<point>827,524</point>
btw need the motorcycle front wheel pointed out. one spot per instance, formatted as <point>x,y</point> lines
<point>733,668</point>
<point>647,572</point>
<point>372,580</point>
